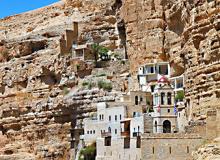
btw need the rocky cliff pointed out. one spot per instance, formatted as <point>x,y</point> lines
<point>41,94</point>
<point>35,116</point>
<point>185,33</point>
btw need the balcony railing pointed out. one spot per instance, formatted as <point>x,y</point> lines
<point>125,134</point>
<point>106,134</point>
<point>136,134</point>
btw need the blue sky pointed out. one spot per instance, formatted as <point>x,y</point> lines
<point>11,7</point>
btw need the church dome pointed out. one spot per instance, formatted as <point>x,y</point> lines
<point>163,79</point>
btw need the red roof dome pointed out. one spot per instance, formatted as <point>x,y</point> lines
<point>163,79</point>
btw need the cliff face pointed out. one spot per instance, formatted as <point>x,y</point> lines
<point>185,33</point>
<point>35,117</point>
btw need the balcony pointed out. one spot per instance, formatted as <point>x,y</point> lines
<point>136,134</point>
<point>106,134</point>
<point>125,134</point>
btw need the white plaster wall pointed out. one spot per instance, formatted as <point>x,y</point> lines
<point>142,80</point>
<point>181,120</point>
<point>116,151</point>
<point>135,122</point>
<point>103,125</point>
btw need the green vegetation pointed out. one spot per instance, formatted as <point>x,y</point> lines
<point>116,55</point>
<point>65,91</point>
<point>179,96</point>
<point>101,75</point>
<point>99,51</point>
<point>78,67</point>
<point>122,62</point>
<point>85,83</point>
<point>147,101</point>
<point>88,84</point>
<point>88,153</point>
<point>105,85</point>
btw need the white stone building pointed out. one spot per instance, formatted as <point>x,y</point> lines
<point>116,133</point>
<point>125,147</point>
<point>107,122</point>
<point>177,83</point>
<point>165,114</point>
<point>150,73</point>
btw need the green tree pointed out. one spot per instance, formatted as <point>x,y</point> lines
<point>179,96</point>
<point>97,51</point>
<point>103,52</point>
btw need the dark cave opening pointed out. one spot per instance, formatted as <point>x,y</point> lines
<point>123,37</point>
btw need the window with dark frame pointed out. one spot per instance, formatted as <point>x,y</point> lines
<point>107,141</point>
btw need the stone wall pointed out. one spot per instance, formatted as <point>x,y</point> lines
<point>169,146</point>
<point>117,151</point>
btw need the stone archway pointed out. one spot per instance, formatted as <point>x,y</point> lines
<point>166,126</point>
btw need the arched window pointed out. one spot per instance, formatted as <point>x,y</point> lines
<point>136,100</point>
<point>169,98</point>
<point>155,125</point>
<point>162,98</point>
<point>166,126</point>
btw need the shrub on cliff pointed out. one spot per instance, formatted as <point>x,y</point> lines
<point>99,52</point>
<point>179,96</point>
<point>88,153</point>
<point>105,85</point>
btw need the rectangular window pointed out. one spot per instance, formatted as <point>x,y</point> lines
<point>152,69</point>
<point>153,150</point>
<point>107,141</point>
<point>115,131</point>
<point>115,117</point>
<point>168,110</point>
<point>127,142</point>
<point>138,144</point>
<point>152,88</point>
<point>141,99</point>
<point>120,116</point>
<point>170,149</point>
<point>109,118</point>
